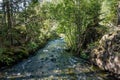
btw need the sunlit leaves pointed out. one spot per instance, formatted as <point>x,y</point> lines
<point>74,16</point>
<point>109,11</point>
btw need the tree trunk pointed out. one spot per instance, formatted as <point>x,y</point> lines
<point>9,20</point>
<point>118,22</point>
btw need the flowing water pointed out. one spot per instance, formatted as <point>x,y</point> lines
<point>53,63</point>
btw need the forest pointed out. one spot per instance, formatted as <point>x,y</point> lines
<point>59,39</point>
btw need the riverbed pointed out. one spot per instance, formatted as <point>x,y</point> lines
<point>53,63</point>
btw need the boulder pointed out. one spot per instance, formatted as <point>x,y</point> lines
<point>107,54</point>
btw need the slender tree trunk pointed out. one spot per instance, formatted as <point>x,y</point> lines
<point>9,20</point>
<point>78,23</point>
<point>4,13</point>
<point>118,22</point>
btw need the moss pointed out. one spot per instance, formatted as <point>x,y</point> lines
<point>93,45</point>
<point>84,55</point>
<point>9,53</point>
<point>21,52</point>
<point>6,59</point>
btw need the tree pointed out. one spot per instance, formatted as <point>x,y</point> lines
<point>24,28</point>
<point>77,18</point>
<point>118,22</point>
<point>109,12</point>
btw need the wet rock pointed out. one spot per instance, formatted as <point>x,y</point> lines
<point>56,65</point>
<point>32,76</point>
<point>28,74</point>
<point>42,72</point>
<point>42,58</point>
<point>107,54</point>
<point>46,58</point>
<point>41,67</point>
<point>53,59</point>
<point>53,51</point>
<point>18,74</point>
<point>45,50</point>
<point>51,55</point>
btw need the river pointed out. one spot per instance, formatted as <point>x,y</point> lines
<point>53,63</point>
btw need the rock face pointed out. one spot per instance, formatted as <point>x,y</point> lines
<point>107,54</point>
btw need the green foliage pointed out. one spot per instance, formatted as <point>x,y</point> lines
<point>32,46</point>
<point>1,50</point>
<point>109,11</point>
<point>84,55</point>
<point>76,19</point>
<point>10,55</point>
<point>6,59</point>
<point>93,45</point>
<point>32,29</point>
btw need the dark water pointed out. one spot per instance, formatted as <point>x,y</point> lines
<point>53,63</point>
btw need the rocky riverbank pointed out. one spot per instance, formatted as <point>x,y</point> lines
<point>107,54</point>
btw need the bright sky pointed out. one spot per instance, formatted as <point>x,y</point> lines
<point>46,0</point>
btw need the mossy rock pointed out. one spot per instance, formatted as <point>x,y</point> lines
<point>13,54</point>
<point>6,59</point>
<point>9,53</point>
<point>107,54</point>
<point>21,52</point>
